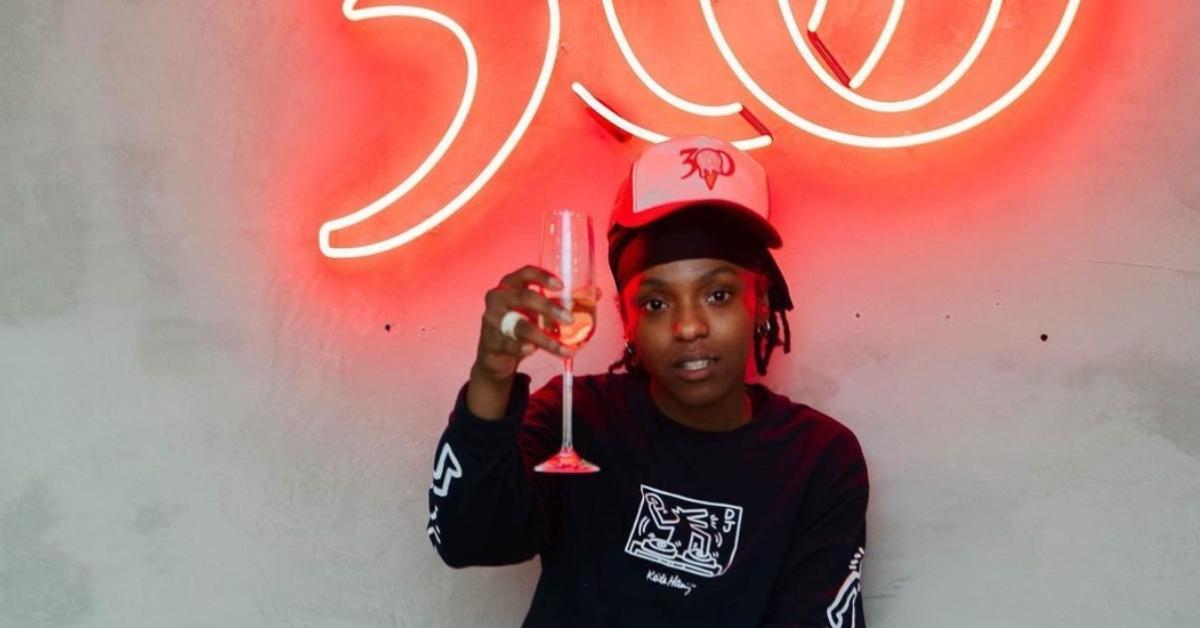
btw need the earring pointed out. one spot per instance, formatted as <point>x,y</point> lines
<point>763,329</point>
<point>631,357</point>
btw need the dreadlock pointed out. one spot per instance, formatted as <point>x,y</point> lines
<point>765,340</point>
<point>765,343</point>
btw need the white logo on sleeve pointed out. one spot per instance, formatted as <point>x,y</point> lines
<point>691,535</point>
<point>843,606</point>
<point>446,469</point>
<point>433,530</point>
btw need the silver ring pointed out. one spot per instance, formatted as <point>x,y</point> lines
<point>508,324</point>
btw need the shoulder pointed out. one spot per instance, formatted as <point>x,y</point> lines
<point>816,431</point>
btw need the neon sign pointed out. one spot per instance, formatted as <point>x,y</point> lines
<point>840,83</point>
<point>354,13</point>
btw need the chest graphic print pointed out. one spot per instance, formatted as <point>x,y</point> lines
<point>692,535</point>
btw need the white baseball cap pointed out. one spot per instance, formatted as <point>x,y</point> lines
<point>692,170</point>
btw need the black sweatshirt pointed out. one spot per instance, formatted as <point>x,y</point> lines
<point>764,524</point>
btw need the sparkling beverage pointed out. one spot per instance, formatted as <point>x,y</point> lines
<point>583,308</point>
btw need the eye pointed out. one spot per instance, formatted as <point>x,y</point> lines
<point>652,305</point>
<point>721,295</point>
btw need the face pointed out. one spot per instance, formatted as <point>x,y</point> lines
<point>692,322</point>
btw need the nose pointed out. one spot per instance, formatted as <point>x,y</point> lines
<point>690,323</point>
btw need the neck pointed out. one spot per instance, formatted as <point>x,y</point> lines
<point>725,414</point>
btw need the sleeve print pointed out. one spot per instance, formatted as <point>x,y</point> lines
<point>483,509</point>
<point>444,471</point>
<point>843,612</point>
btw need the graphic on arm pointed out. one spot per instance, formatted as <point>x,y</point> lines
<point>843,612</point>
<point>446,469</point>
<point>433,530</point>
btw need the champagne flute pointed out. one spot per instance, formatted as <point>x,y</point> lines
<point>568,250</point>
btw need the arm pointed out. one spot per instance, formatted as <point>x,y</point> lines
<point>820,584</point>
<point>484,507</point>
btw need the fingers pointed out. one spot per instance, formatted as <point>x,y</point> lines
<point>526,332</point>
<point>513,294</point>
<point>529,333</point>
<point>530,274</point>
<point>532,301</point>
<point>500,300</point>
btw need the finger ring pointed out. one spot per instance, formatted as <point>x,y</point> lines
<point>508,324</point>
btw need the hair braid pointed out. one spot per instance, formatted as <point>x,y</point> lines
<point>764,344</point>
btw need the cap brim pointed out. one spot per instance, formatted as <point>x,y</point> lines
<point>763,229</point>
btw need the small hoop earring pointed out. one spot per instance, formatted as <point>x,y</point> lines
<point>631,357</point>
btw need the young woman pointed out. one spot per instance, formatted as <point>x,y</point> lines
<point>719,502</point>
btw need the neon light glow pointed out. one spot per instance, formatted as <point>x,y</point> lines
<point>890,141</point>
<point>985,31</point>
<point>641,132</point>
<point>843,88</point>
<point>644,133</point>
<point>885,38</point>
<point>647,80</point>
<point>355,14</point>
<point>830,60</point>
<point>881,44</point>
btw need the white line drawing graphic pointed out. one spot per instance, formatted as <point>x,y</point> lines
<point>692,535</point>
<point>446,469</point>
<point>843,603</point>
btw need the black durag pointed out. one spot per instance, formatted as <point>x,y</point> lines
<point>702,231</point>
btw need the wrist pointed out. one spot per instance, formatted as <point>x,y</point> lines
<point>487,394</point>
<point>484,375</point>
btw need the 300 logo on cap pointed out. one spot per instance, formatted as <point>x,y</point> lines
<point>709,162</point>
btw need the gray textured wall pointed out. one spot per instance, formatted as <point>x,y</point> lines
<point>203,423</point>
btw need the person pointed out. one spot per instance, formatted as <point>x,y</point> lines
<point>719,502</point>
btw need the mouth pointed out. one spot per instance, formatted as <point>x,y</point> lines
<point>695,368</point>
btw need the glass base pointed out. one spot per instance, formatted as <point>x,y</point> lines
<point>566,461</point>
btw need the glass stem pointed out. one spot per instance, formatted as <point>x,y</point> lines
<point>568,389</point>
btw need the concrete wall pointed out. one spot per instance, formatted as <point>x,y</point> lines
<point>204,422</point>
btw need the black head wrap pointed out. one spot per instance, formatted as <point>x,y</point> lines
<point>701,231</point>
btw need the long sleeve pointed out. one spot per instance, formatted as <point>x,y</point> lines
<point>484,508</point>
<point>820,583</point>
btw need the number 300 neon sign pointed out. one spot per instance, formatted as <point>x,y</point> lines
<point>840,83</point>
